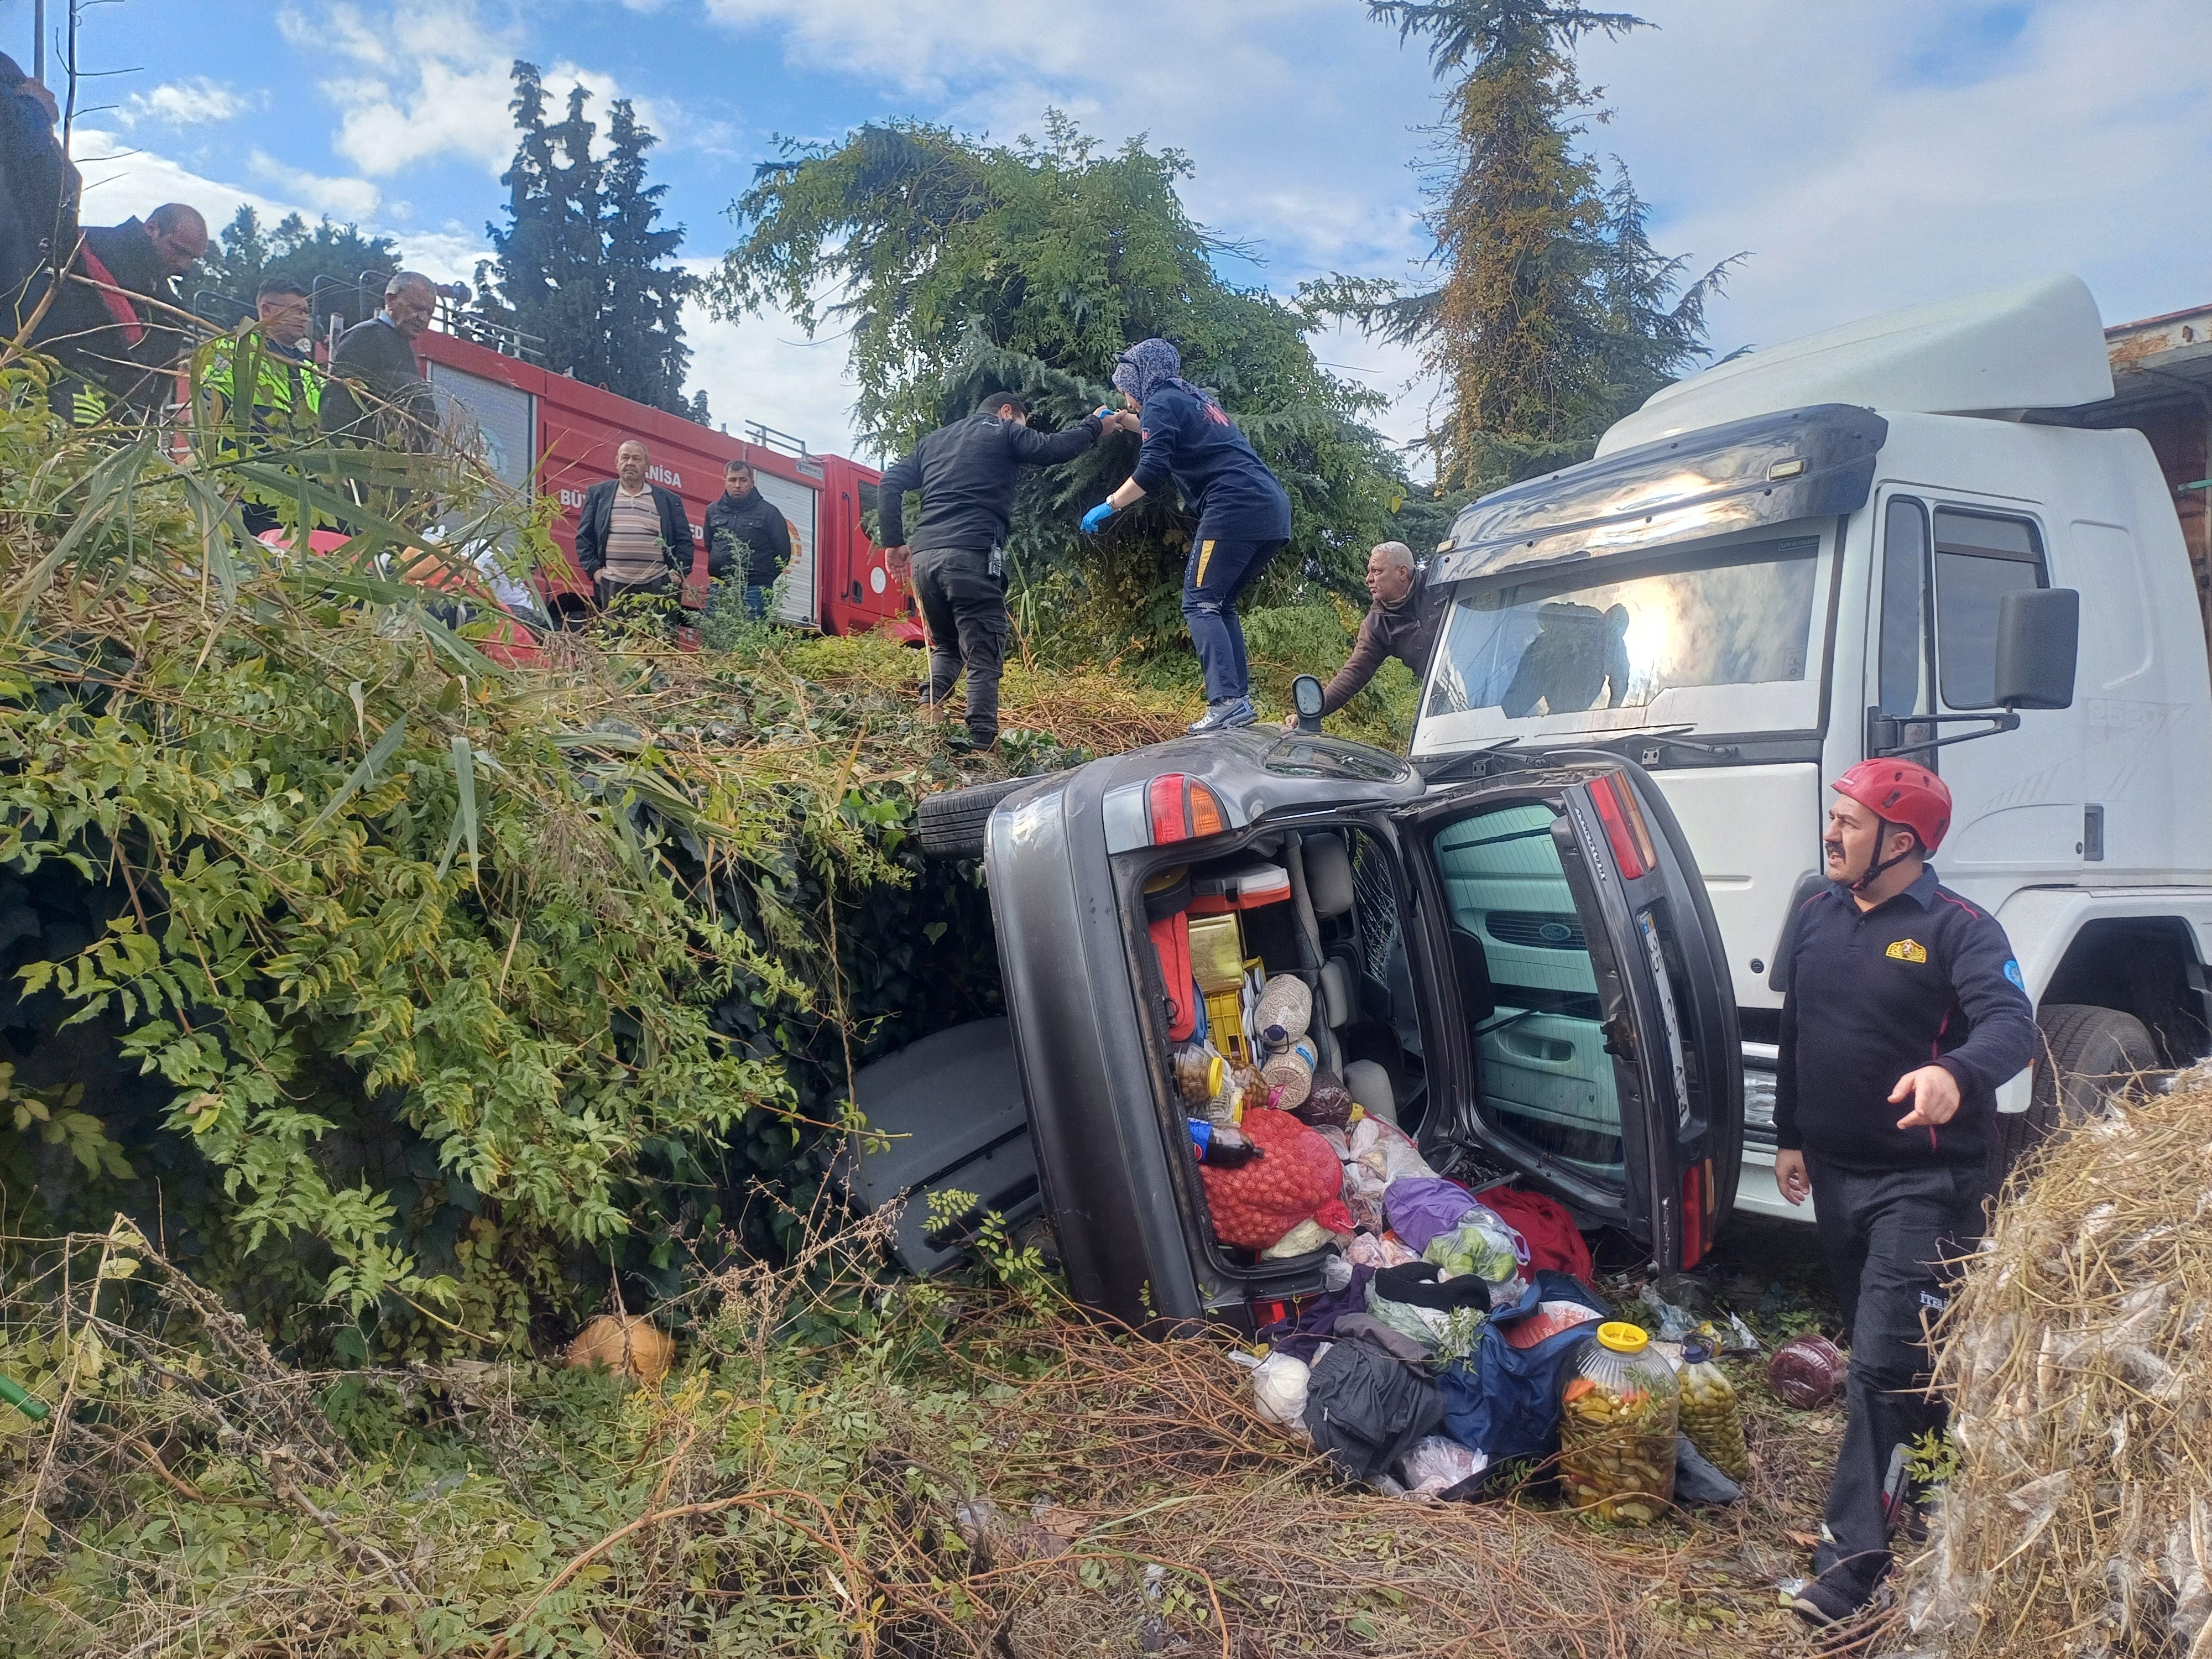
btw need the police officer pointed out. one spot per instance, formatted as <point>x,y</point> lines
<point>1903,1009</point>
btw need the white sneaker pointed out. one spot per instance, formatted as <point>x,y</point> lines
<point>1221,716</point>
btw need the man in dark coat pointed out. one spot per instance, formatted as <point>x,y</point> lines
<point>633,537</point>
<point>39,190</point>
<point>376,394</point>
<point>112,326</point>
<point>966,472</point>
<point>747,536</point>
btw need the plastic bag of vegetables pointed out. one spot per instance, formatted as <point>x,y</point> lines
<point>1485,1246</point>
<point>1296,1178</point>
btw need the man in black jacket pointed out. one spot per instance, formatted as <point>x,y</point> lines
<point>747,536</point>
<point>633,535</point>
<point>1899,996</point>
<point>965,472</point>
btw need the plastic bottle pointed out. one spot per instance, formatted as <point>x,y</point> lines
<point>1290,1073</point>
<point>1712,1416</point>
<point>1618,1413</point>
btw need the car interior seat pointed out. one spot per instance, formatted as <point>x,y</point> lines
<point>1330,885</point>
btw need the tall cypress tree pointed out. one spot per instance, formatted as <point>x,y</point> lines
<point>644,296</point>
<point>1555,315</point>
<point>580,263</point>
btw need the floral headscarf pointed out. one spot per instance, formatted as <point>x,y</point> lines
<point>1148,366</point>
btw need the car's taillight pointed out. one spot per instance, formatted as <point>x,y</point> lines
<point>1625,829</point>
<point>1181,808</point>
<point>1172,807</point>
<point>1697,1212</point>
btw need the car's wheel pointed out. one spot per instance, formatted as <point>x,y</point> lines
<point>951,823</point>
<point>2086,1055</point>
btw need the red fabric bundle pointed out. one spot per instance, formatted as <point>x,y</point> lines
<point>1297,1178</point>
<point>1553,1240</point>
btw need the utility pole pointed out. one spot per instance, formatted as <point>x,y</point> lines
<point>39,40</point>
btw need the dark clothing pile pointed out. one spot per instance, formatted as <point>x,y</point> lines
<point>746,537</point>
<point>1366,1409</point>
<point>398,411</point>
<point>1868,996</point>
<point>1406,630</point>
<point>1192,440</point>
<point>966,473</point>
<point>677,547</point>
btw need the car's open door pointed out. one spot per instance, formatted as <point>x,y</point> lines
<point>1581,992</point>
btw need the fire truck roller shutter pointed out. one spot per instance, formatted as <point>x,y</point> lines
<point>799,504</point>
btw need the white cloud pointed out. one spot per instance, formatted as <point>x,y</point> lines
<point>354,199</point>
<point>186,103</point>
<point>122,180</point>
<point>428,78</point>
<point>764,369</point>
<point>1898,150</point>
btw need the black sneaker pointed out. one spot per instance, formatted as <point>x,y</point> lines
<point>964,742</point>
<point>1820,1602</point>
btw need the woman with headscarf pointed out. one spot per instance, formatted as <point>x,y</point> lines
<point>1243,514</point>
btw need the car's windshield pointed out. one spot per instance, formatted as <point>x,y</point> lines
<point>1721,637</point>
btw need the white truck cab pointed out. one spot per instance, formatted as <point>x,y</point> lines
<point>1801,558</point>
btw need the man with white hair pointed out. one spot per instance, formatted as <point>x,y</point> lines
<point>1403,623</point>
<point>377,393</point>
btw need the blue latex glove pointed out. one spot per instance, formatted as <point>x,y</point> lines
<point>1101,411</point>
<point>1097,516</point>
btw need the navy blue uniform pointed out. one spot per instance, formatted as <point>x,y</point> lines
<point>1925,978</point>
<point>1243,519</point>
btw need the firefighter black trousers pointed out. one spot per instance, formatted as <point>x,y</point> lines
<point>1888,1238</point>
<point>965,607</point>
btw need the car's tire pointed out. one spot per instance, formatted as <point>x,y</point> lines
<point>2087,1057</point>
<point>951,823</point>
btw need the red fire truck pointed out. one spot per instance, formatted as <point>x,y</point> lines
<point>550,432</point>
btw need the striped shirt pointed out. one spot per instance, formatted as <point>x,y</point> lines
<point>634,550</point>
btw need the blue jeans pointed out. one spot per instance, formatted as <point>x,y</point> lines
<point>1217,573</point>
<point>756,602</point>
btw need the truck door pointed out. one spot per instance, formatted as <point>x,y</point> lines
<point>1588,1024</point>
<point>1946,564</point>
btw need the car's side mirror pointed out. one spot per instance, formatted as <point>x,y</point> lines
<point>1305,697</point>
<point>2038,641</point>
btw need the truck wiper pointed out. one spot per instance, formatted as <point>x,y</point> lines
<point>1665,738</point>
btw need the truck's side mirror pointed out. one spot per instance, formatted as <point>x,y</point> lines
<point>1305,697</point>
<point>2039,639</point>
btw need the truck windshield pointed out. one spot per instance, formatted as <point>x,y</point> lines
<point>1721,637</point>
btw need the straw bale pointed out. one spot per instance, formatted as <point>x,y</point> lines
<point>2077,1356</point>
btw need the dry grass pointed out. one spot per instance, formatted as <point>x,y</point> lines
<point>2078,1359</point>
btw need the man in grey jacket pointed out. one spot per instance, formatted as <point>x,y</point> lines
<point>966,473</point>
<point>1404,621</point>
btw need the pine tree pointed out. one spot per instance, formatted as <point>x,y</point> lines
<point>644,296</point>
<point>580,263</point>
<point>1554,316</point>
<point>351,266</point>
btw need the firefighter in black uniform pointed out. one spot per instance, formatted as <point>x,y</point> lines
<point>1899,996</point>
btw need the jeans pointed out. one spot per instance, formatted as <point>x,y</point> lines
<point>964,606</point>
<point>1888,1237</point>
<point>1214,577</point>
<point>756,600</point>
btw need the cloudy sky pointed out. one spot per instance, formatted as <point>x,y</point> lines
<point>1864,153</point>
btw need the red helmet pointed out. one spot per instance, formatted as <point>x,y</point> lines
<point>1901,792</point>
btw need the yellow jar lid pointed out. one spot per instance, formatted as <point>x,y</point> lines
<point>1214,1068</point>
<point>1622,1337</point>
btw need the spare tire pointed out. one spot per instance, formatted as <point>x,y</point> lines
<point>951,823</point>
<point>2087,1057</point>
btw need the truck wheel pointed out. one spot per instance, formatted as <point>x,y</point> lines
<point>951,823</point>
<point>2088,1054</point>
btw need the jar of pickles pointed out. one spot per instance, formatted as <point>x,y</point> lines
<point>1712,1415</point>
<point>1617,1420</point>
